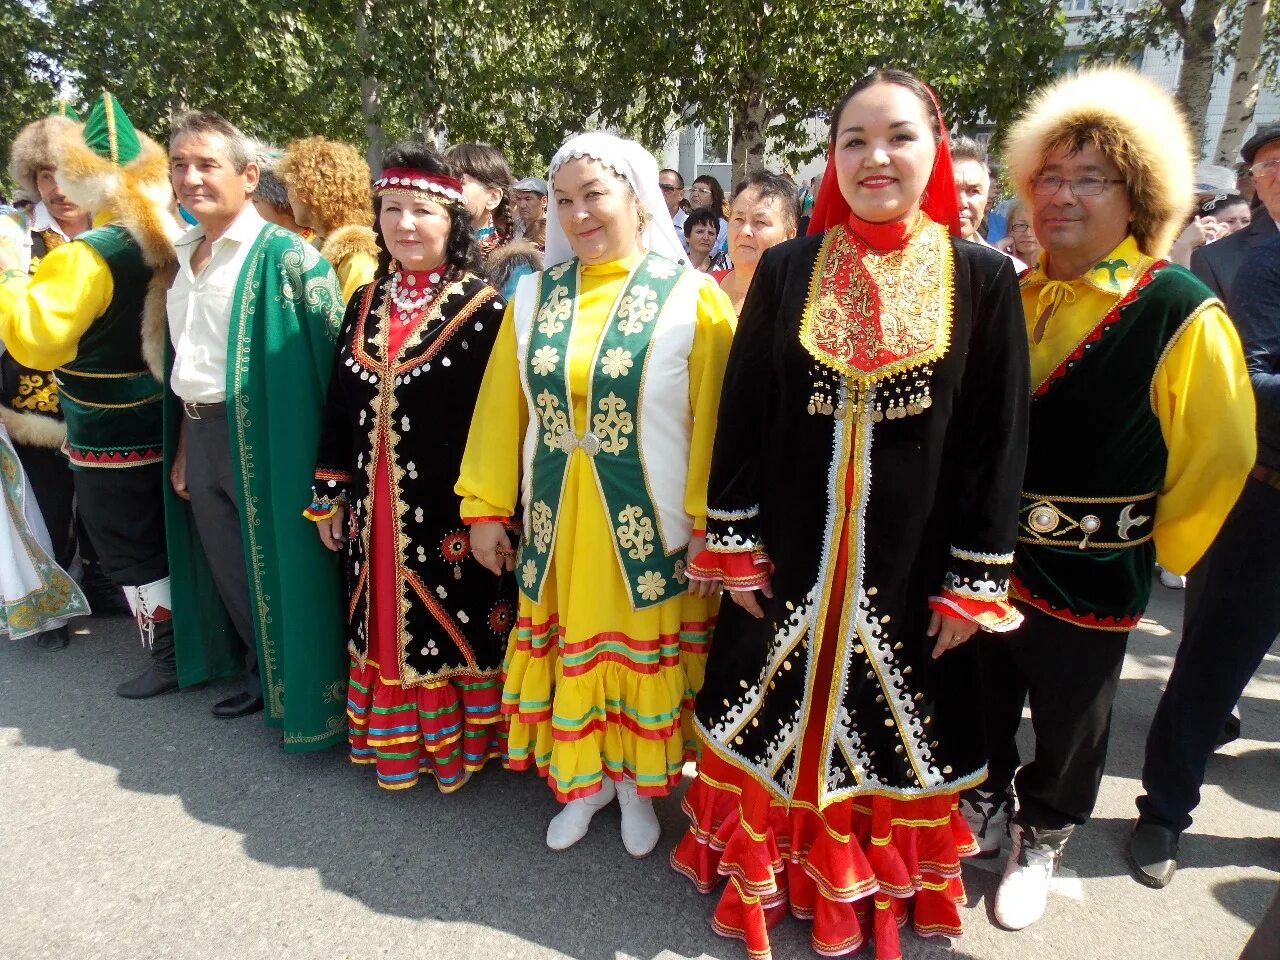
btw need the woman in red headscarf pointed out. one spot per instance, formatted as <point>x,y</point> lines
<point>863,509</point>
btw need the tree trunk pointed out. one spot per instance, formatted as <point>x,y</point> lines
<point>370,96</point>
<point>1243,98</point>
<point>1195,76</point>
<point>750,130</point>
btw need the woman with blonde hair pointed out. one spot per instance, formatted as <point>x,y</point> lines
<point>328,187</point>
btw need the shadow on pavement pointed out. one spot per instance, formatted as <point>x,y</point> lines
<point>1242,897</point>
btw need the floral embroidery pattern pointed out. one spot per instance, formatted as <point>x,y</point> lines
<point>612,424</point>
<point>545,360</point>
<point>541,526</point>
<point>529,574</point>
<point>501,617</point>
<point>635,533</point>
<point>651,585</point>
<point>555,312</point>
<point>638,308</point>
<point>661,269</point>
<point>554,419</point>
<point>616,362</point>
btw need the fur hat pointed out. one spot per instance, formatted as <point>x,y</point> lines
<point>33,150</point>
<point>1135,124</point>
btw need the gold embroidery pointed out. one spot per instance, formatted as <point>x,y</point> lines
<point>612,424</point>
<point>555,312</point>
<point>554,420</point>
<point>635,533</point>
<point>651,585</point>
<point>541,526</point>
<point>870,317</point>
<point>638,308</point>
<point>36,392</point>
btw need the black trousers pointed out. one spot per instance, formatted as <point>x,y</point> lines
<point>1229,628</point>
<point>122,511</point>
<point>1069,674</point>
<point>51,479</point>
<point>216,509</point>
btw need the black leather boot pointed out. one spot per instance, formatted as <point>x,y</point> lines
<point>162,675</point>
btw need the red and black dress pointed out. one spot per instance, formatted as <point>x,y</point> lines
<point>427,625</point>
<point>868,461</point>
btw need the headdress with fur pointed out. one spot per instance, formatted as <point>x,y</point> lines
<point>137,195</point>
<point>33,150</point>
<point>1133,123</point>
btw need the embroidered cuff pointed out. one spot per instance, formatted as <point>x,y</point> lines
<point>733,531</point>
<point>327,493</point>
<point>978,576</point>
<point>742,571</point>
<point>993,616</point>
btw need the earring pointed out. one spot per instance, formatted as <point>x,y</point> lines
<point>394,266</point>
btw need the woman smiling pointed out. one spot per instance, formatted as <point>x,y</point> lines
<point>595,424</point>
<point>862,513</point>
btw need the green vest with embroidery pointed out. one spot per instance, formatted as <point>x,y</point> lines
<point>611,440</point>
<point>110,400</point>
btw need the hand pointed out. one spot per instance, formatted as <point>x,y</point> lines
<point>950,631</point>
<point>492,548</point>
<point>701,588</point>
<point>746,599</point>
<point>333,530</point>
<point>178,470</point>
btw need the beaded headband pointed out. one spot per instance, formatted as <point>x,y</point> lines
<point>417,185</point>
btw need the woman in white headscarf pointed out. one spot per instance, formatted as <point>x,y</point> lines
<point>591,441</point>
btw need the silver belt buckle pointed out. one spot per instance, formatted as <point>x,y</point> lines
<point>190,407</point>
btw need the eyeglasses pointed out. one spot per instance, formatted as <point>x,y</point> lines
<point>1048,185</point>
<point>1265,168</point>
<point>1020,228</point>
<point>670,188</point>
<point>701,189</point>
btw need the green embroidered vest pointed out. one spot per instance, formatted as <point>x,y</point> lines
<point>110,400</point>
<point>1097,458</point>
<point>612,439</point>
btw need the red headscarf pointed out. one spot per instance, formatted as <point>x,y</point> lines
<point>938,200</point>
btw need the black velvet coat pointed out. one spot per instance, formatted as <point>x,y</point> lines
<point>927,477</point>
<point>456,615</point>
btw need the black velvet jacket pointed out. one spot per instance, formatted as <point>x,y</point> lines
<point>921,485</point>
<point>456,614</point>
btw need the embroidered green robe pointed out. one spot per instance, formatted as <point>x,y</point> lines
<point>287,307</point>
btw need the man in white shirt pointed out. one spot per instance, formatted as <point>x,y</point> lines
<point>672,185</point>
<point>253,314</point>
<point>973,184</point>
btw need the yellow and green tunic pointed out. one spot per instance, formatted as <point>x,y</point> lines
<point>609,647</point>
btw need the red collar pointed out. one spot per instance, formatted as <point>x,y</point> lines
<point>883,237</point>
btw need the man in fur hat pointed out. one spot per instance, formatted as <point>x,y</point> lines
<point>29,404</point>
<point>1141,437</point>
<point>81,314</point>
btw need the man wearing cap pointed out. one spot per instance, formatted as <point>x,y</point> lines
<point>1141,436</point>
<point>81,314</point>
<point>29,404</point>
<point>1218,263</point>
<point>253,313</point>
<point>529,197</point>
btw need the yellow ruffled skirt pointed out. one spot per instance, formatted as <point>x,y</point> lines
<point>594,688</point>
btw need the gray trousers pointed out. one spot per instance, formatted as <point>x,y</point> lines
<point>211,483</point>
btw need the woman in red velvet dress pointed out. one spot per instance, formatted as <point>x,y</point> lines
<point>427,625</point>
<point>862,514</point>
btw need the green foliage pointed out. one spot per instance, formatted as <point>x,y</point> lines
<point>31,81</point>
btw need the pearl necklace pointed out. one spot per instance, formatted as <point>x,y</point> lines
<point>408,296</point>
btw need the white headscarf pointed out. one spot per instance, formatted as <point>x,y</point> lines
<point>634,164</point>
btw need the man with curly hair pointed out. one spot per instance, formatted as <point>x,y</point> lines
<point>328,188</point>
<point>1141,437</point>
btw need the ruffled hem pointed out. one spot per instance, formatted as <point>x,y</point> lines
<point>994,616</point>
<point>744,570</point>
<point>449,728</point>
<point>852,869</point>
<point>608,706</point>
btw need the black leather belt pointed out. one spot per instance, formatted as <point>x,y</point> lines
<point>1087,523</point>
<point>204,411</point>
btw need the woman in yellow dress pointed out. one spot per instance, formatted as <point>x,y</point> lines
<point>592,436</point>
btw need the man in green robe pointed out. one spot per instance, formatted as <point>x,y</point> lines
<point>253,312</point>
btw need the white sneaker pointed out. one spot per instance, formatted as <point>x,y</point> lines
<point>988,817</point>
<point>640,830</point>
<point>570,825</point>
<point>1172,580</point>
<point>1024,888</point>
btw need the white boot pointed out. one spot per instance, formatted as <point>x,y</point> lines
<point>1024,889</point>
<point>988,816</point>
<point>570,825</point>
<point>640,830</point>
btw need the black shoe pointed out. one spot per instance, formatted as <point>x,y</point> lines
<point>56,639</point>
<point>150,683</point>
<point>241,705</point>
<point>1153,854</point>
<point>1230,730</point>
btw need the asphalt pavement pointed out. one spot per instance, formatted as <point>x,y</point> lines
<point>151,829</point>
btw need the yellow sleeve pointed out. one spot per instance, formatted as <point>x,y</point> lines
<point>1203,399</point>
<point>489,481</point>
<point>711,341</point>
<point>354,272</point>
<point>43,317</point>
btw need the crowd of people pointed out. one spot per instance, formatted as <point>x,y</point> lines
<point>815,486</point>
